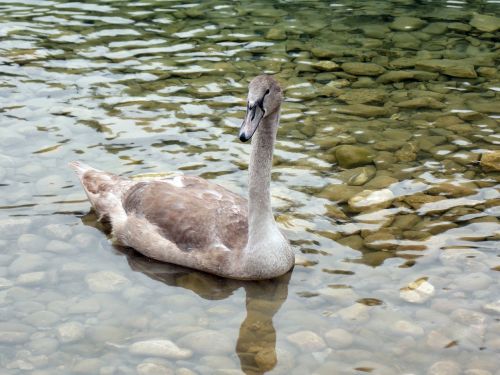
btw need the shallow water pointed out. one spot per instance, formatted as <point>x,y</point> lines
<point>397,243</point>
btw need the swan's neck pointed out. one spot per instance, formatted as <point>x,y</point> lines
<point>261,222</point>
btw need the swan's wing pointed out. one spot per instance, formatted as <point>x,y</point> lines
<point>191,212</point>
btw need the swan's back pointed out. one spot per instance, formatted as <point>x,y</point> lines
<point>191,212</point>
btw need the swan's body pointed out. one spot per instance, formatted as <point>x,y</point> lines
<point>195,223</point>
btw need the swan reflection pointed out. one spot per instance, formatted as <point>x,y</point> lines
<point>256,344</point>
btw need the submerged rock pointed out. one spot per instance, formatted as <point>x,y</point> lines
<point>417,291</point>
<point>106,281</point>
<point>453,68</point>
<point>363,110</point>
<point>160,348</point>
<point>490,161</point>
<point>362,69</point>
<point>307,341</point>
<point>371,199</point>
<point>484,22</point>
<point>406,23</point>
<point>349,156</point>
<point>70,332</point>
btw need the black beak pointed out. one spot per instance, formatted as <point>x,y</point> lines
<point>252,120</point>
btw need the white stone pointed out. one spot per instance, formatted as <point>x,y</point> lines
<point>149,368</point>
<point>444,368</point>
<point>492,308</point>
<point>26,263</point>
<point>5,283</point>
<point>106,281</point>
<point>307,341</point>
<point>338,338</point>
<point>70,332</point>
<point>417,291</point>
<point>407,328</point>
<point>160,348</point>
<point>369,198</point>
<point>31,278</point>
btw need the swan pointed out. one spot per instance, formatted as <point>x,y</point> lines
<point>192,222</point>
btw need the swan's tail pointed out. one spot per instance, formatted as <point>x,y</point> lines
<point>104,190</point>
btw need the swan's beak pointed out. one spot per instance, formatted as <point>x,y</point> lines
<point>251,122</point>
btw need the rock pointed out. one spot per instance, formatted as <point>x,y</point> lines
<point>362,110</point>
<point>14,333</point>
<point>339,192</point>
<point>349,156</point>
<point>486,71</point>
<point>492,308</point>
<point>362,96</point>
<point>474,281</point>
<point>31,278</point>
<point>422,102</point>
<point>338,338</point>
<point>160,348</point>
<point>485,23</point>
<point>381,241</point>
<point>417,291</point>
<point>357,176</point>
<point>13,227</point>
<point>42,318</point>
<point>377,31</point>
<point>87,366</point>
<point>59,231</point>
<point>490,161</point>
<point>380,182</point>
<point>5,283</point>
<point>406,23</point>
<point>307,341</point>
<point>490,106</point>
<point>70,332</point>
<point>371,199</point>
<point>458,26</point>
<point>453,68</point>
<point>444,368</point>
<point>149,368</point>
<point>407,328</point>
<point>106,281</point>
<point>358,313</point>
<point>276,33</point>
<point>207,342</point>
<point>362,69</point>
<point>325,65</point>
<point>27,263</point>
<point>416,201</point>
<point>403,75</point>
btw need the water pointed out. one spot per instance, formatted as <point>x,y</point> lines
<point>402,278</point>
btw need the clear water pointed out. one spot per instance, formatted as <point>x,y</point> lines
<point>407,285</point>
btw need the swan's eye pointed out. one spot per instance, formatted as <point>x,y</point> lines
<point>267,92</point>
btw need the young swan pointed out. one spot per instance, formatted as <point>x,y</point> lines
<point>195,223</point>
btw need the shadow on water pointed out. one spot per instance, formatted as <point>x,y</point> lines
<point>256,344</point>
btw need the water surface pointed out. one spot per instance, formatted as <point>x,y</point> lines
<point>379,181</point>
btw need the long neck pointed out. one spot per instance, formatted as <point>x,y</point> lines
<point>260,215</point>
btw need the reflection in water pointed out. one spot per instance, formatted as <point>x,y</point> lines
<point>256,345</point>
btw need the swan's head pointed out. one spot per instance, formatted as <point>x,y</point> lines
<point>264,99</point>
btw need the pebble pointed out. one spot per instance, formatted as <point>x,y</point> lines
<point>5,283</point>
<point>59,231</point>
<point>31,278</point>
<point>417,291</point>
<point>490,161</point>
<point>473,281</point>
<point>492,308</point>
<point>358,313</point>
<point>338,338</point>
<point>208,342</point>
<point>14,333</point>
<point>13,227</point>
<point>363,69</point>
<point>349,156</point>
<point>406,23</point>
<point>371,199</point>
<point>42,318</point>
<point>106,281</point>
<point>27,263</point>
<point>444,368</point>
<point>70,332</point>
<point>485,22</point>
<point>149,368</point>
<point>407,328</point>
<point>307,341</point>
<point>160,348</point>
